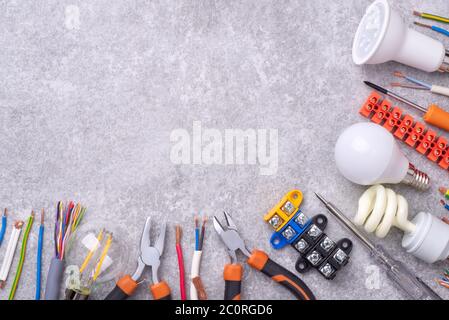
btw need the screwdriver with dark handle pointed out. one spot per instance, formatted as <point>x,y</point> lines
<point>259,260</point>
<point>433,115</point>
<point>233,281</point>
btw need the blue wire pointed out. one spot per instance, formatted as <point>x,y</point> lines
<point>3,230</point>
<point>440,30</point>
<point>39,262</point>
<point>419,82</point>
<point>197,239</point>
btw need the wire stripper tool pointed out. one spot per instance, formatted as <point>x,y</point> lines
<point>149,257</point>
<point>258,260</point>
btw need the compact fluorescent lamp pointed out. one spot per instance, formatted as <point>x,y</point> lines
<point>382,36</point>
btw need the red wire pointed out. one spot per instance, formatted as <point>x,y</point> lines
<point>182,284</point>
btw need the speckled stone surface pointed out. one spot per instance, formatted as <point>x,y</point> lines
<point>91,91</point>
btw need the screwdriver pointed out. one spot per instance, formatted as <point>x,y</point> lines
<point>413,286</point>
<point>433,115</point>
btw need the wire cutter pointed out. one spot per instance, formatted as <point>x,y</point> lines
<point>258,260</point>
<point>149,257</point>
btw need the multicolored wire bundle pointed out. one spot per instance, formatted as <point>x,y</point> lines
<point>67,221</point>
<point>444,280</point>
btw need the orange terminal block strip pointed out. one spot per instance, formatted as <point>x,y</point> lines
<point>405,128</point>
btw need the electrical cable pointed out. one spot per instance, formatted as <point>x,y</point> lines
<point>413,80</point>
<point>421,85</point>
<point>4,222</point>
<point>203,230</point>
<point>39,257</point>
<point>434,28</point>
<point>182,284</point>
<point>196,259</point>
<point>444,204</point>
<point>444,280</point>
<point>197,234</point>
<point>198,283</point>
<point>66,224</point>
<point>444,192</point>
<point>10,252</point>
<point>430,16</point>
<point>15,283</point>
<point>407,86</point>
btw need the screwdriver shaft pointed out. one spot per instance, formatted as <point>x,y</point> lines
<point>346,222</point>
<point>407,102</point>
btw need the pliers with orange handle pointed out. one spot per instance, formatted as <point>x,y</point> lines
<point>149,257</point>
<point>258,260</point>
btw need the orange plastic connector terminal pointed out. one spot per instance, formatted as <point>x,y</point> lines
<point>403,127</point>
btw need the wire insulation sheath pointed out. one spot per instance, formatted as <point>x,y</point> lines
<point>195,272</point>
<point>3,230</point>
<point>182,283</point>
<point>23,250</point>
<point>39,263</point>
<point>10,251</point>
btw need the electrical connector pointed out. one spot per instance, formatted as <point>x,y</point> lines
<point>307,236</point>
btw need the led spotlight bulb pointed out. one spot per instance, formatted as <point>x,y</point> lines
<point>382,36</point>
<point>367,154</point>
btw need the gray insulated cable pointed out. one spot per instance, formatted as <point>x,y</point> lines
<point>54,279</point>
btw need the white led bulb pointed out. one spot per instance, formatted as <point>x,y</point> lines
<point>382,36</point>
<point>367,154</point>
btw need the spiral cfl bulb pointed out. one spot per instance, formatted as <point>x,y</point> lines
<point>381,208</point>
<point>426,236</point>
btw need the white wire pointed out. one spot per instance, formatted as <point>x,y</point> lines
<point>440,90</point>
<point>10,251</point>
<point>195,272</point>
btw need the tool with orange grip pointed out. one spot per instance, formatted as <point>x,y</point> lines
<point>149,257</point>
<point>258,260</point>
<point>433,115</point>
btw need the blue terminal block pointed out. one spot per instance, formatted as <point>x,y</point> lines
<point>307,236</point>
<point>291,231</point>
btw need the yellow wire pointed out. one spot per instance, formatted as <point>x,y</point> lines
<point>103,256</point>
<point>91,252</point>
<point>434,17</point>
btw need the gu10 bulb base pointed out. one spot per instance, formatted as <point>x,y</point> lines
<point>430,239</point>
<point>416,178</point>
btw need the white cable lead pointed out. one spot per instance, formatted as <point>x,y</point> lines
<point>10,251</point>
<point>195,272</point>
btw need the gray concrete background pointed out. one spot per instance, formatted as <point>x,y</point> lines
<point>87,111</point>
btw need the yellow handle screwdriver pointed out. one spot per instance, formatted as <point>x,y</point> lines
<point>433,115</point>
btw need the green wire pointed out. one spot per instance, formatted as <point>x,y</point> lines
<point>22,258</point>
